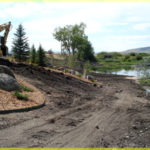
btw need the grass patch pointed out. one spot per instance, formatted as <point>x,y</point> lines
<point>21,96</point>
<point>79,75</point>
<point>145,81</point>
<point>25,88</point>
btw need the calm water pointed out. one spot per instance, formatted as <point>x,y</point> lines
<point>128,73</point>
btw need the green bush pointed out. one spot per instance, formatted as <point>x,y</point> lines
<point>139,57</point>
<point>145,81</point>
<point>25,88</point>
<point>79,75</point>
<point>93,80</point>
<point>132,54</point>
<point>21,96</point>
<point>126,57</point>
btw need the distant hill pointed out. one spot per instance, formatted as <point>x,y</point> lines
<point>138,50</point>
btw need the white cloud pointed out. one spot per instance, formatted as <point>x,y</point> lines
<point>117,24</point>
<point>141,26</point>
<point>130,37</point>
<point>40,20</point>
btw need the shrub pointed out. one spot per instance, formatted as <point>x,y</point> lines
<point>126,57</point>
<point>132,54</point>
<point>139,57</point>
<point>145,81</point>
<point>25,88</point>
<point>79,75</point>
<point>21,96</point>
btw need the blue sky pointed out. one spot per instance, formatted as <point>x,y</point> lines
<point>111,26</point>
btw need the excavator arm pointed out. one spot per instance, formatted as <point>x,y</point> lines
<point>3,39</point>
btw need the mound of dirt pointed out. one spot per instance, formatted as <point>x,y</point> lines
<point>9,103</point>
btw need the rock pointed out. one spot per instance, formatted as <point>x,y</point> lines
<point>97,127</point>
<point>6,70</point>
<point>76,72</point>
<point>8,83</point>
<point>119,91</point>
<point>134,127</point>
<point>89,77</point>
<point>100,86</point>
<point>52,121</point>
<point>72,72</point>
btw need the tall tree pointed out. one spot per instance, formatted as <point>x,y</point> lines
<point>20,46</point>
<point>85,51</point>
<point>41,57</point>
<point>68,36</point>
<point>33,54</point>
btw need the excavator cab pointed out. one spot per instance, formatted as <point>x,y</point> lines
<point>3,39</point>
<point>3,47</point>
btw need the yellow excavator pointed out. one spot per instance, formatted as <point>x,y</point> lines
<point>3,39</point>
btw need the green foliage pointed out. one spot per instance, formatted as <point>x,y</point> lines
<point>74,41</point>
<point>79,75</point>
<point>132,54</point>
<point>33,54</point>
<point>25,88</point>
<point>106,56</point>
<point>21,96</point>
<point>85,51</point>
<point>144,54</point>
<point>145,81</point>
<point>71,62</point>
<point>127,57</point>
<point>20,46</point>
<point>41,57</point>
<point>86,67</point>
<point>116,54</point>
<point>93,80</point>
<point>139,57</point>
<point>69,37</point>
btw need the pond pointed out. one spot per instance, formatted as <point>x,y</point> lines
<point>134,72</point>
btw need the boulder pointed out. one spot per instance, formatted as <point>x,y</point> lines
<point>6,70</point>
<point>8,83</point>
<point>72,72</point>
<point>89,77</point>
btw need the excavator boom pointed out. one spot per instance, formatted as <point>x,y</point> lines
<point>3,39</point>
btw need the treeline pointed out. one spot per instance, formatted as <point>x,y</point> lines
<point>112,56</point>
<point>73,40</point>
<point>21,51</point>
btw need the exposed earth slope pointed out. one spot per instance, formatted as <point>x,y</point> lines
<point>77,114</point>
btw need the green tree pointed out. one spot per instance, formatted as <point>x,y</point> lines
<point>41,57</point>
<point>85,51</point>
<point>75,42</point>
<point>139,57</point>
<point>69,37</point>
<point>20,47</point>
<point>33,54</point>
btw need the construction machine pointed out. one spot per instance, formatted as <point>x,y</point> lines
<point>3,39</point>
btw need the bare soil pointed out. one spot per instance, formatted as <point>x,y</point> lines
<point>79,114</point>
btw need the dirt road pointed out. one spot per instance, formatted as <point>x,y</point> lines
<point>77,114</point>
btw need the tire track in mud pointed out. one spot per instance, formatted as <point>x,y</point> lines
<point>79,115</point>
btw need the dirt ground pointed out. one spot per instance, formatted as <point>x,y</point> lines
<point>78,114</point>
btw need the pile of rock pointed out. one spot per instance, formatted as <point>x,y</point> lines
<point>8,81</point>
